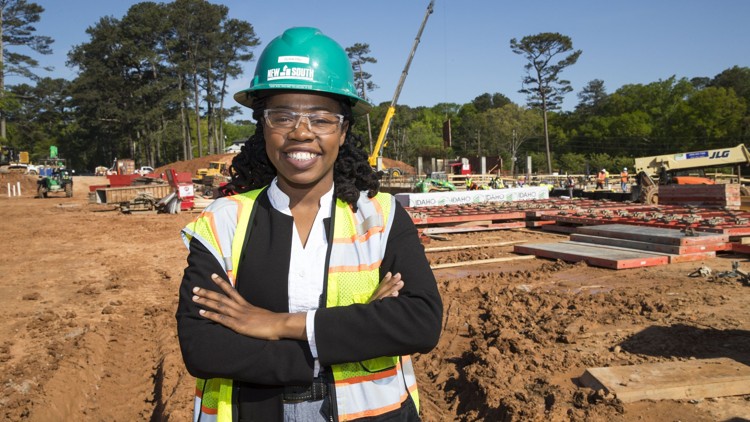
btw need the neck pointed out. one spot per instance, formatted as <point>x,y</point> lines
<point>305,196</point>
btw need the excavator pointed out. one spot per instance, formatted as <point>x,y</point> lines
<point>375,157</point>
<point>688,168</point>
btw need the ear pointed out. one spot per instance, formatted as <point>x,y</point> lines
<point>344,129</point>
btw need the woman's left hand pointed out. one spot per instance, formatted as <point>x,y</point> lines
<point>234,312</point>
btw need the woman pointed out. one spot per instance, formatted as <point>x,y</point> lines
<point>305,293</point>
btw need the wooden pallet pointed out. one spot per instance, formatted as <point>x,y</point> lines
<point>690,380</point>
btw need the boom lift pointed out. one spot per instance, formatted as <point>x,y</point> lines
<point>687,168</point>
<point>375,157</point>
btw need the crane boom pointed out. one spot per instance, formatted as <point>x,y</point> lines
<point>392,108</point>
<point>738,155</point>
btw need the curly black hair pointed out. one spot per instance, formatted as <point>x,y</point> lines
<point>352,173</point>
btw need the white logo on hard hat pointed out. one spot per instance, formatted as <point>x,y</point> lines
<point>286,72</point>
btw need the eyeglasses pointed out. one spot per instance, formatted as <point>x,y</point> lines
<point>319,123</point>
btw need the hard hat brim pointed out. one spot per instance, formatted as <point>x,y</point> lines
<point>247,97</point>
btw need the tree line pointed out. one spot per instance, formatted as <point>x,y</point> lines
<point>604,130</point>
<point>152,86</point>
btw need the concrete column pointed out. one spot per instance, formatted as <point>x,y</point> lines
<point>528,168</point>
<point>420,167</point>
<point>484,165</point>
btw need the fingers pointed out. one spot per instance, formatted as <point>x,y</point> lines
<point>223,304</point>
<point>396,284</point>
<point>389,287</point>
<point>228,289</point>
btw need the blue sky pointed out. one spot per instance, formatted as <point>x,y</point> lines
<point>465,46</point>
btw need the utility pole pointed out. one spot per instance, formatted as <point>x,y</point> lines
<point>364,97</point>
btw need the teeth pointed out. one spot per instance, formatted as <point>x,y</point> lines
<point>301,156</point>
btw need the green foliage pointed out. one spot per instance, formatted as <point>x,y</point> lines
<point>238,131</point>
<point>573,163</point>
<point>149,80</point>
<point>488,101</point>
<point>358,54</point>
<point>538,162</point>
<point>542,83</point>
<point>735,78</point>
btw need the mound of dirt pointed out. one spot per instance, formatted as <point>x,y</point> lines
<point>407,169</point>
<point>191,166</point>
<point>11,181</point>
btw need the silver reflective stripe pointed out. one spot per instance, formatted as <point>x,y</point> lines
<point>367,252</point>
<point>198,415</point>
<point>224,218</point>
<point>369,223</point>
<point>374,397</point>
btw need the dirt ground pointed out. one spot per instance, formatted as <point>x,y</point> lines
<point>89,295</point>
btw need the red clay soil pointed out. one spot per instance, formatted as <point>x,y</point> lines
<point>88,331</point>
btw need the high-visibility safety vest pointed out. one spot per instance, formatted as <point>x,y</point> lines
<point>362,389</point>
<point>624,176</point>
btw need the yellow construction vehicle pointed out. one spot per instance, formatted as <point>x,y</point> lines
<point>376,155</point>
<point>689,168</point>
<point>215,168</point>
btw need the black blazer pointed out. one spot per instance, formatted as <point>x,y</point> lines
<point>409,324</point>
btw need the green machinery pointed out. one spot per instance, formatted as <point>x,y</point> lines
<point>61,180</point>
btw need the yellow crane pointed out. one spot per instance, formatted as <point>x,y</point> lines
<point>376,155</point>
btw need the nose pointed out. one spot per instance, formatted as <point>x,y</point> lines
<point>301,131</point>
<point>309,123</point>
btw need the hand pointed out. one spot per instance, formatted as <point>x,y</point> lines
<point>234,312</point>
<point>388,287</point>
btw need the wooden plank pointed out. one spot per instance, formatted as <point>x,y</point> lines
<point>453,218</point>
<point>466,229</point>
<point>689,380</point>
<point>691,257</point>
<point>720,195</point>
<point>653,234</point>
<point>539,223</point>
<point>475,246</point>
<point>606,257</point>
<point>648,246</point>
<point>480,261</point>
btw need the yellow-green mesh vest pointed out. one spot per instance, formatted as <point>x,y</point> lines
<point>363,389</point>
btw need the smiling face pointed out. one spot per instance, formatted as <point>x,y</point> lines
<point>303,160</point>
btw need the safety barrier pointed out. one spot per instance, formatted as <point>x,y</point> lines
<point>14,190</point>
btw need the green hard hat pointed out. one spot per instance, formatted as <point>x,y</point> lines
<point>304,59</point>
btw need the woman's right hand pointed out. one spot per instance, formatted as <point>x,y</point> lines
<point>388,287</point>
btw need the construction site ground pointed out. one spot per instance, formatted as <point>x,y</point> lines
<point>89,294</point>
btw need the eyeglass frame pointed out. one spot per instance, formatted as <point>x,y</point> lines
<point>298,116</point>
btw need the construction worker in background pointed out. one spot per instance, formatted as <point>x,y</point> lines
<point>624,179</point>
<point>601,178</point>
<point>606,178</point>
<point>306,292</point>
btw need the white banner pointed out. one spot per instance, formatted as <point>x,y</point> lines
<point>472,197</point>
